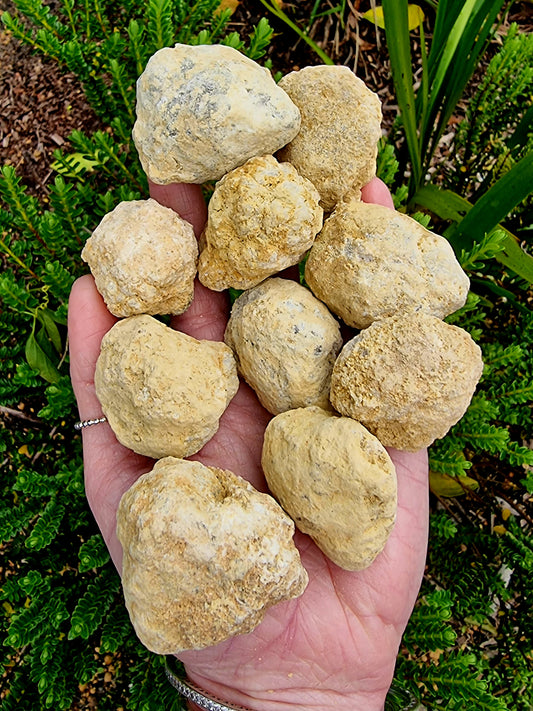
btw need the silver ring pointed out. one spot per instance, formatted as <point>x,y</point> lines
<point>87,423</point>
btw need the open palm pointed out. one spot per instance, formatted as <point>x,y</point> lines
<point>335,646</point>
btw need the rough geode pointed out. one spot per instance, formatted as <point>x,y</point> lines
<point>407,378</point>
<point>335,480</point>
<point>162,391</point>
<point>370,262</point>
<point>262,218</point>
<point>203,110</point>
<point>336,146</point>
<point>143,258</point>
<point>205,555</point>
<point>285,341</point>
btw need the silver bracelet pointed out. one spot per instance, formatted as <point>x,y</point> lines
<point>87,423</point>
<point>193,693</point>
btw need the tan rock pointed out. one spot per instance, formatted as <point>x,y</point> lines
<point>162,391</point>
<point>205,555</point>
<point>203,110</point>
<point>335,480</point>
<point>336,146</point>
<point>407,378</point>
<point>370,262</point>
<point>285,342</point>
<point>143,258</point>
<point>262,218</point>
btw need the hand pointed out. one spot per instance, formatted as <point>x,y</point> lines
<point>335,646</point>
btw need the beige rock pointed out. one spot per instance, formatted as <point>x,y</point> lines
<point>285,342</point>
<point>370,262</point>
<point>143,258</point>
<point>203,110</point>
<point>262,218</point>
<point>162,391</point>
<point>335,480</point>
<point>336,146</point>
<point>205,555</point>
<point>407,378</point>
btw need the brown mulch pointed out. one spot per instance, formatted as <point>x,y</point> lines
<point>40,106</point>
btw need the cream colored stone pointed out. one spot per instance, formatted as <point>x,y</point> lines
<point>203,110</point>
<point>162,391</point>
<point>336,146</point>
<point>335,480</point>
<point>370,262</point>
<point>407,378</point>
<point>285,342</point>
<point>143,258</point>
<point>262,218</point>
<point>205,555</point>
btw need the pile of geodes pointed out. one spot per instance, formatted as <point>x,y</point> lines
<point>205,554</point>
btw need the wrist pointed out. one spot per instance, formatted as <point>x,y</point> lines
<point>277,699</point>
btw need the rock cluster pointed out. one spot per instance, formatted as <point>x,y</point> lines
<point>205,555</point>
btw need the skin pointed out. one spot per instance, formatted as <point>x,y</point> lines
<point>335,646</point>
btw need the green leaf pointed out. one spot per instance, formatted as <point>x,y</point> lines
<point>449,206</point>
<point>445,485</point>
<point>496,203</point>
<point>397,32</point>
<point>39,361</point>
<point>46,317</point>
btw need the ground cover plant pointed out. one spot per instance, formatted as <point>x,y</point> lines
<point>67,642</point>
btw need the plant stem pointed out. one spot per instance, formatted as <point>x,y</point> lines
<point>278,12</point>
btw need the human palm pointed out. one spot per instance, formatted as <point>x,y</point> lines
<point>335,646</point>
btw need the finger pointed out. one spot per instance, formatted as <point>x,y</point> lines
<point>88,321</point>
<point>185,199</point>
<point>377,192</point>
<point>110,469</point>
<point>207,316</point>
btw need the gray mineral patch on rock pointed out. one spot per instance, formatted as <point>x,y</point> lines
<point>203,110</point>
<point>205,555</point>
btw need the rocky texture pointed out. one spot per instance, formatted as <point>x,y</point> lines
<point>407,378</point>
<point>370,262</point>
<point>162,391</point>
<point>336,146</point>
<point>203,110</point>
<point>143,258</point>
<point>335,480</point>
<point>205,555</point>
<point>262,218</point>
<point>285,342</point>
